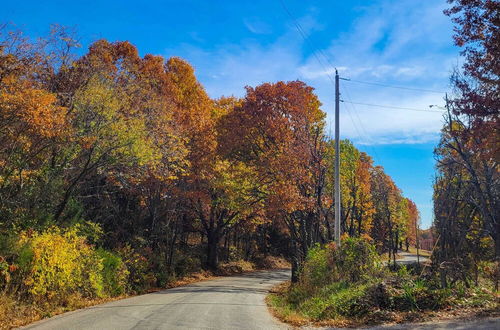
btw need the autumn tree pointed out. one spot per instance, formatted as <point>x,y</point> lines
<point>356,204</point>
<point>467,185</point>
<point>412,224</point>
<point>32,122</point>
<point>133,150</point>
<point>280,132</point>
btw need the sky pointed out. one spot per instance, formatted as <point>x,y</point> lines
<point>233,44</point>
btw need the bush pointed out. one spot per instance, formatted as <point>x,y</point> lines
<point>337,299</point>
<point>350,301</point>
<point>317,269</point>
<point>416,295</point>
<point>56,263</point>
<point>186,264</point>
<point>4,272</point>
<point>356,259</point>
<point>114,273</point>
<point>141,276</point>
<point>349,284</point>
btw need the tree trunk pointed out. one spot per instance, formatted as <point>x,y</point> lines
<point>295,262</point>
<point>212,245</point>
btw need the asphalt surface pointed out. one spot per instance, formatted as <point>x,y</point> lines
<point>410,258</point>
<point>407,258</point>
<point>235,302</point>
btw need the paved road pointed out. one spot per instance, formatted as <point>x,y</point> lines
<point>410,258</point>
<point>235,302</point>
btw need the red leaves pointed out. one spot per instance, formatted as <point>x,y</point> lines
<point>272,130</point>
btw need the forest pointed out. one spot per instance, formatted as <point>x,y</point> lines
<point>119,173</point>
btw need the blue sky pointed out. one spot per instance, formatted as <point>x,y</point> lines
<point>236,43</point>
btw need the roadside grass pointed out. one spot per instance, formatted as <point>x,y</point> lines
<point>378,302</point>
<point>350,287</point>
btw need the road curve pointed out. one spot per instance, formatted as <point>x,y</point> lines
<point>235,302</point>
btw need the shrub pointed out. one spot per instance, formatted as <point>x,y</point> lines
<point>338,299</point>
<point>357,258</point>
<point>491,271</point>
<point>114,273</point>
<point>417,295</point>
<point>141,277</point>
<point>56,263</point>
<point>317,269</point>
<point>4,272</point>
<point>350,301</point>
<point>186,264</point>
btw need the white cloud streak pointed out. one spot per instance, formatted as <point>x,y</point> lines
<point>407,44</point>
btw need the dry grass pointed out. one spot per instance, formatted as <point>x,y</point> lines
<point>235,267</point>
<point>192,278</point>
<point>271,262</point>
<point>282,313</point>
<point>15,314</point>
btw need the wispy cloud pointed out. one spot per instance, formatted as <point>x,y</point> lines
<point>257,26</point>
<point>398,45</point>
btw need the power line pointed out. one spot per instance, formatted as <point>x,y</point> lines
<point>372,149</point>
<point>313,50</point>
<point>392,107</point>
<point>325,67</point>
<point>394,86</point>
<point>304,36</point>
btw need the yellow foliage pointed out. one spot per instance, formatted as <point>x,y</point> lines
<point>58,263</point>
<point>108,123</point>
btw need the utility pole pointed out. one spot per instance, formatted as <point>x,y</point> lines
<point>417,242</point>
<point>337,161</point>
